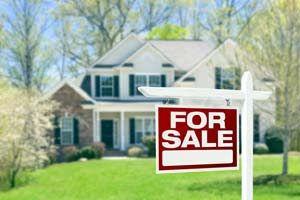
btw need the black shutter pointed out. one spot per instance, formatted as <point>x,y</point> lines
<point>76,130</point>
<point>98,89</point>
<point>56,130</point>
<point>116,86</point>
<point>256,127</point>
<point>131,85</point>
<point>163,80</point>
<point>132,130</point>
<point>218,78</point>
<point>86,84</point>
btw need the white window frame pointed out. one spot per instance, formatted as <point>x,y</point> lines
<point>147,81</point>
<point>152,119</point>
<point>69,129</point>
<point>106,86</point>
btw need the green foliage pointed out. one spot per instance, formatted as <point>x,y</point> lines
<point>149,142</point>
<point>99,149</point>
<point>135,151</point>
<point>168,32</point>
<point>71,153</point>
<point>260,149</point>
<point>87,152</point>
<point>273,138</point>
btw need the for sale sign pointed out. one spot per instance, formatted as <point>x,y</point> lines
<point>196,139</point>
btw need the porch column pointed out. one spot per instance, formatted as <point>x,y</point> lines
<point>122,131</point>
<point>98,127</point>
<point>94,126</point>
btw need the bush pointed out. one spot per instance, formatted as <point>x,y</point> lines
<point>70,153</point>
<point>87,152</point>
<point>52,157</point>
<point>149,142</point>
<point>260,149</point>
<point>273,138</point>
<point>99,149</point>
<point>135,152</point>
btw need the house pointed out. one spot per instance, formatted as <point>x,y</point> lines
<point>105,105</point>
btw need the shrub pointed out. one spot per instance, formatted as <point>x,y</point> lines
<point>99,149</point>
<point>260,149</point>
<point>52,157</point>
<point>273,138</point>
<point>70,153</point>
<point>149,142</point>
<point>87,152</point>
<point>135,152</point>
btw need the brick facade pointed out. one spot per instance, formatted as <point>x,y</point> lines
<point>70,101</point>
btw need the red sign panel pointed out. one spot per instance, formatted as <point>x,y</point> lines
<point>196,139</point>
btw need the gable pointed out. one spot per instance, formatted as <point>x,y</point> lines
<point>148,59</point>
<point>121,51</point>
<point>67,96</point>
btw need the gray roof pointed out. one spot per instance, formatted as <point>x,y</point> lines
<point>184,53</point>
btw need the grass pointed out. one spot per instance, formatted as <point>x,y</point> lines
<point>136,179</point>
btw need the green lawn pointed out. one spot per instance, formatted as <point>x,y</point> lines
<point>136,179</point>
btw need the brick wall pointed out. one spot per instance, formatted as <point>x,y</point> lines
<point>69,101</point>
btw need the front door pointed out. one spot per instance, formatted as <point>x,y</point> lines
<point>107,133</point>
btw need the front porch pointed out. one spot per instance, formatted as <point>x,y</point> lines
<point>122,125</point>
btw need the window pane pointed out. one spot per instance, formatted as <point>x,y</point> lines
<point>106,80</point>
<point>66,137</point>
<point>148,125</point>
<point>140,80</point>
<point>138,125</point>
<point>154,81</point>
<point>106,91</point>
<point>228,78</point>
<point>138,137</point>
<point>67,130</point>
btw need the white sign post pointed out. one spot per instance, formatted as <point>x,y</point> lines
<point>247,95</point>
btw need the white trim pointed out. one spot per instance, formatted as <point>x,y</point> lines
<point>200,93</point>
<point>202,61</point>
<point>82,93</point>
<point>122,130</point>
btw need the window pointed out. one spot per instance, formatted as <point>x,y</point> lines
<point>146,80</point>
<point>144,127</point>
<point>154,81</point>
<point>140,80</point>
<point>228,78</point>
<point>106,85</point>
<point>66,130</point>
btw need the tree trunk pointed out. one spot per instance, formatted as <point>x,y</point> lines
<point>286,145</point>
<point>12,181</point>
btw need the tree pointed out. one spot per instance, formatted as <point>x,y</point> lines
<point>217,20</point>
<point>274,43</point>
<point>168,32</point>
<point>25,121</point>
<point>151,13</point>
<point>27,61</point>
<point>92,28</point>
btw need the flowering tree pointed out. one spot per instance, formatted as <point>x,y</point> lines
<point>24,125</point>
